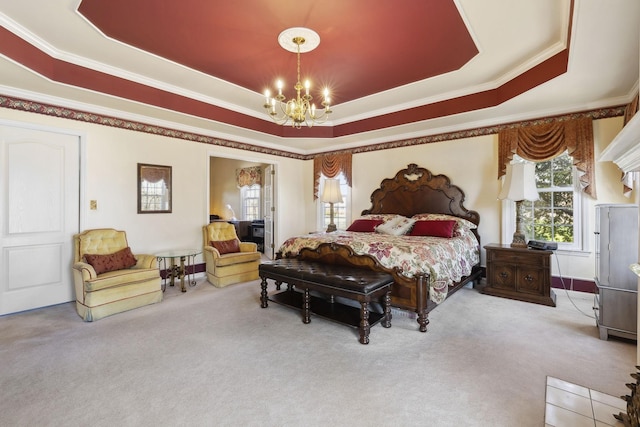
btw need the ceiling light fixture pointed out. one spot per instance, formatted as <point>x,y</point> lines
<point>300,110</point>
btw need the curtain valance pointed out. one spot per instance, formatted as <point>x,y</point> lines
<point>545,141</point>
<point>249,176</point>
<point>155,174</point>
<point>330,165</point>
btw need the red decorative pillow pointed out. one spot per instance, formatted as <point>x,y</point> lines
<point>226,246</point>
<point>438,228</point>
<point>111,262</point>
<point>365,225</point>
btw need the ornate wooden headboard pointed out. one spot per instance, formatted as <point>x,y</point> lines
<point>416,190</point>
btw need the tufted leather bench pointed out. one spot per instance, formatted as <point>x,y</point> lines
<point>360,284</point>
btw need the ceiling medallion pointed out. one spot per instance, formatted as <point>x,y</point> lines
<point>300,110</point>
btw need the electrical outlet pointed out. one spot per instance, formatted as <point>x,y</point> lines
<point>93,205</point>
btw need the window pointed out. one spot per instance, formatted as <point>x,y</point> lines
<point>341,211</point>
<point>556,216</point>
<point>154,196</point>
<point>250,195</point>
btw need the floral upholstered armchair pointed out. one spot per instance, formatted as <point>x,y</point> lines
<point>110,279</point>
<point>228,260</point>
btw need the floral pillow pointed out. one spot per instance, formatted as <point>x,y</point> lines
<point>397,226</point>
<point>111,262</point>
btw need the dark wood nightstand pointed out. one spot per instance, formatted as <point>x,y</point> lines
<point>519,273</point>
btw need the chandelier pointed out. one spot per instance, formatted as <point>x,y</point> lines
<point>300,110</point>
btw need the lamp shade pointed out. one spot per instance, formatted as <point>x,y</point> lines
<point>331,192</point>
<point>520,182</point>
<point>230,214</point>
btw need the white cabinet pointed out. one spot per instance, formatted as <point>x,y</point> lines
<point>616,244</point>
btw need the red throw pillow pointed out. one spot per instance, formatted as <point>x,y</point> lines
<point>226,246</point>
<point>365,225</point>
<point>443,228</point>
<point>111,262</point>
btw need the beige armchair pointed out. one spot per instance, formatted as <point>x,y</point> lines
<point>228,260</point>
<point>108,278</point>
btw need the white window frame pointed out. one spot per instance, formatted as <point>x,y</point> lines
<point>579,218</point>
<point>322,222</point>
<point>243,196</point>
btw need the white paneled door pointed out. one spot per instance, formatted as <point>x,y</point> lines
<point>39,213</point>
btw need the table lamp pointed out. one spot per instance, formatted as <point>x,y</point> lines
<point>231,215</point>
<point>519,184</point>
<point>331,194</point>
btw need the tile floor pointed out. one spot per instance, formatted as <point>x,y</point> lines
<point>572,405</point>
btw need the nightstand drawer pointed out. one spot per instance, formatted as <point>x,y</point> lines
<point>513,257</point>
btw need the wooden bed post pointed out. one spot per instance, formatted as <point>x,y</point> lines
<point>422,296</point>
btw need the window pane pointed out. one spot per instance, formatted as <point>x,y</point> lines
<point>543,174</point>
<point>562,178</point>
<point>545,200</point>
<point>563,234</point>
<point>563,198</point>
<point>563,217</point>
<point>543,232</point>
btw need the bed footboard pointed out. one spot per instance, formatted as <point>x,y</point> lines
<point>408,293</point>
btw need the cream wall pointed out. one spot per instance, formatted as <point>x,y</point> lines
<point>111,154</point>
<point>472,164</point>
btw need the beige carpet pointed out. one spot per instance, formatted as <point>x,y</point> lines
<point>214,357</point>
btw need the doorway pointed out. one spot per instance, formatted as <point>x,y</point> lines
<point>225,197</point>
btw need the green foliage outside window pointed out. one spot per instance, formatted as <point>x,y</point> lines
<point>551,217</point>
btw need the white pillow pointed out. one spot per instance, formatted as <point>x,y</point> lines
<point>396,226</point>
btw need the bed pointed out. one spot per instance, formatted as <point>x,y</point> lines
<point>426,269</point>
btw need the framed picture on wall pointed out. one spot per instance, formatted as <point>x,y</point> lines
<point>154,188</point>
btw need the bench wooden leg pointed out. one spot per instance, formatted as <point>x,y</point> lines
<point>306,306</point>
<point>386,320</point>
<point>364,323</point>
<point>263,293</point>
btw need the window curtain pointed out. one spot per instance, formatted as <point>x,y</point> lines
<point>249,176</point>
<point>629,177</point>
<point>156,174</point>
<point>541,142</point>
<point>330,165</point>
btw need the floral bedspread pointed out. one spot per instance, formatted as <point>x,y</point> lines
<point>445,260</point>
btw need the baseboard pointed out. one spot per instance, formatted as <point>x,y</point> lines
<point>572,284</point>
